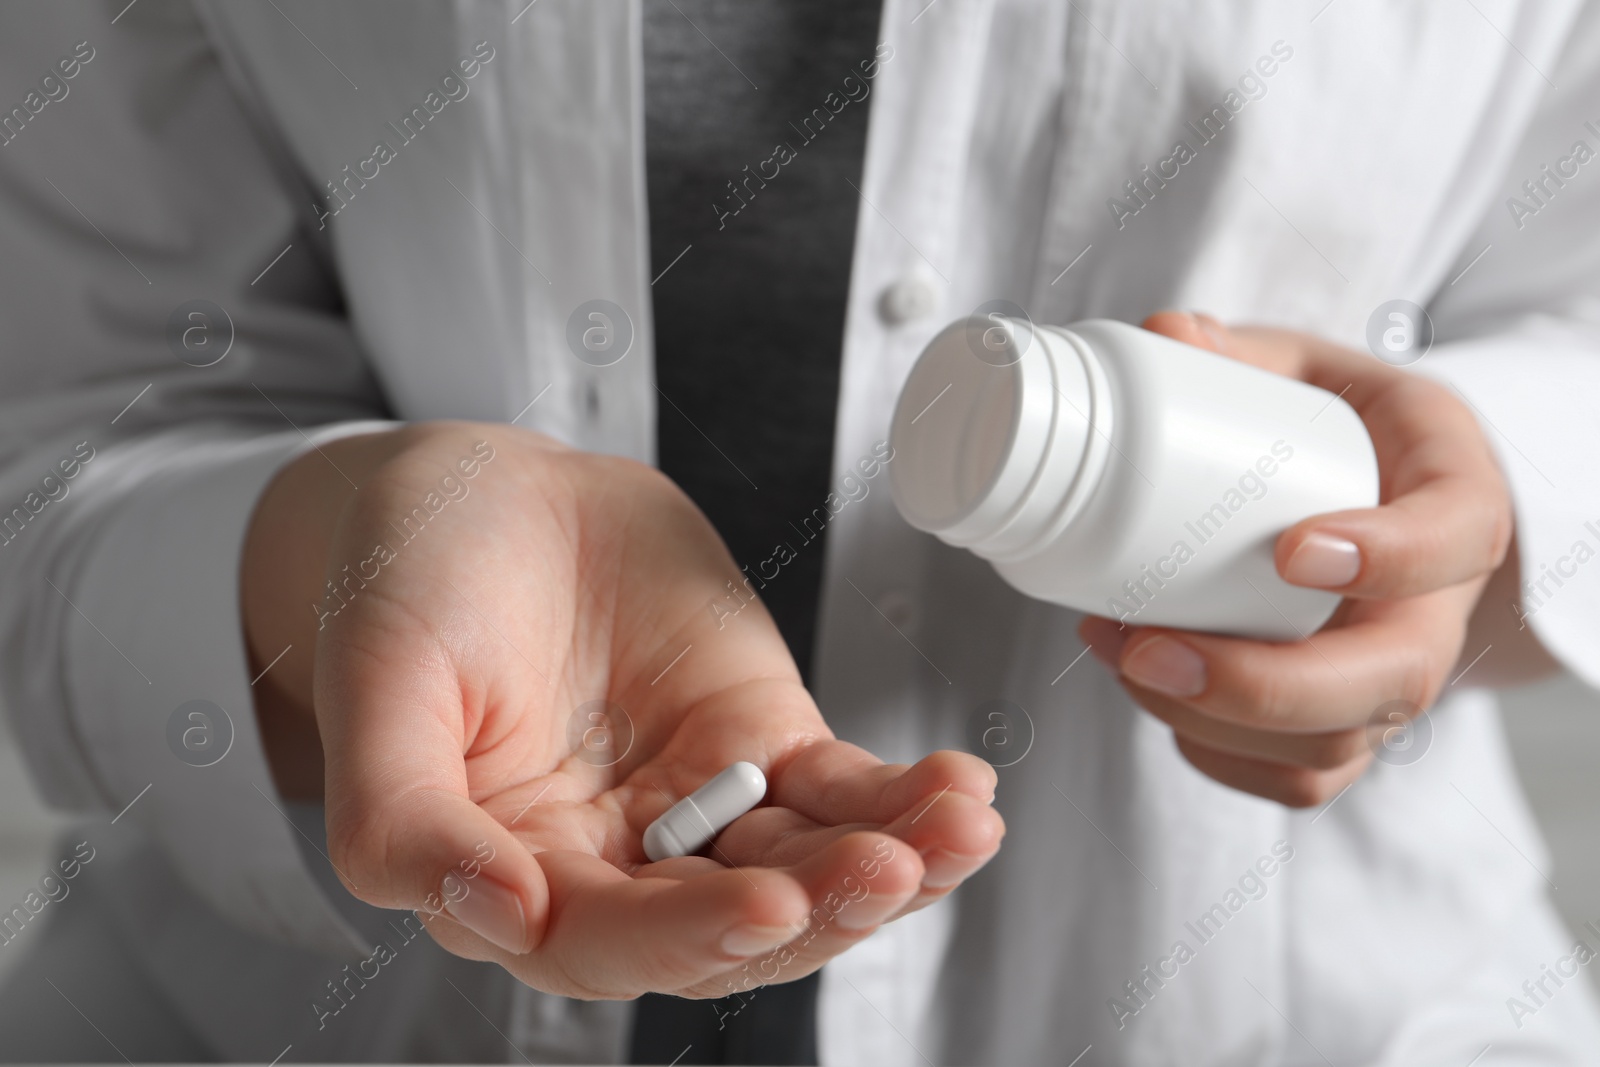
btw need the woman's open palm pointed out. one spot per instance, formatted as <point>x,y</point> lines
<point>535,673</point>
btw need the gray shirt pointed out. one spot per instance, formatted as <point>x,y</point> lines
<point>752,157</point>
<point>756,118</point>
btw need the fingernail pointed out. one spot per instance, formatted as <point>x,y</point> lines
<point>943,869</point>
<point>1167,666</point>
<point>490,910</point>
<point>751,940</point>
<point>1323,561</point>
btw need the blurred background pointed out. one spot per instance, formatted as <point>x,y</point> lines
<point>1555,737</point>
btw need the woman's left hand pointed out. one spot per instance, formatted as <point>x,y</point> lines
<point>1297,723</point>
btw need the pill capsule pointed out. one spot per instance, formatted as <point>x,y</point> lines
<point>705,813</point>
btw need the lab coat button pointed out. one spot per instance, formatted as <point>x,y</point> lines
<point>906,300</point>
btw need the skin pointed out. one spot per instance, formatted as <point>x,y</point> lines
<point>1437,578</point>
<point>432,712</point>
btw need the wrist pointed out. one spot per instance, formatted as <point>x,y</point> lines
<point>282,569</point>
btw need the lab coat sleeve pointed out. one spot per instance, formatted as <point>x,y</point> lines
<point>1519,340</point>
<point>129,190</point>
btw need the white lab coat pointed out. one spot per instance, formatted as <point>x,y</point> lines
<point>1376,164</point>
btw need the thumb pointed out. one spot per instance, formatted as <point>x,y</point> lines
<point>1278,351</point>
<point>1201,331</point>
<point>403,831</point>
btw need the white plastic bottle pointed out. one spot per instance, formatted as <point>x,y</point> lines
<point>1124,474</point>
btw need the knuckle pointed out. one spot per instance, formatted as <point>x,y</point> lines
<point>1406,559</point>
<point>1262,695</point>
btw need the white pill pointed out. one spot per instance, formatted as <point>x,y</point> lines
<point>705,813</point>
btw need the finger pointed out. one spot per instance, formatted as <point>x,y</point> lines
<point>1451,529</point>
<point>953,834</point>
<point>1188,328</point>
<point>614,936</point>
<point>1319,751</point>
<point>873,874</point>
<point>682,868</point>
<point>402,830</point>
<point>1446,517</point>
<point>1354,377</point>
<point>1294,787</point>
<point>1361,381</point>
<point>1397,650</point>
<point>954,837</point>
<point>1315,751</point>
<point>856,884</point>
<point>1204,331</point>
<point>1105,639</point>
<point>833,783</point>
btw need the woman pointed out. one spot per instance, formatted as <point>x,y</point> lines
<point>417,215</point>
